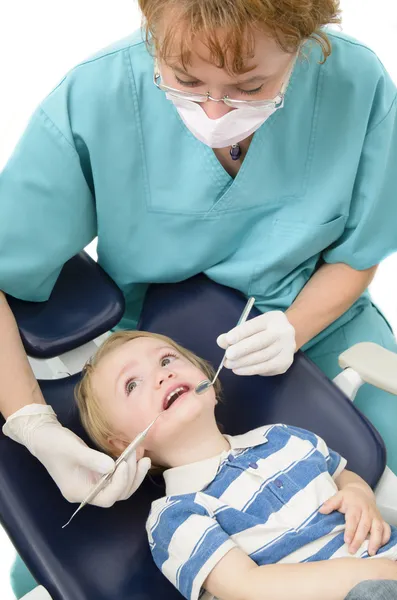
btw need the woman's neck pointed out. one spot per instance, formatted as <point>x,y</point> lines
<point>230,165</point>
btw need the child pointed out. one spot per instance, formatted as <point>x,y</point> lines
<point>239,512</point>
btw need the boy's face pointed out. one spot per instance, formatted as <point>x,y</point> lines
<point>138,380</point>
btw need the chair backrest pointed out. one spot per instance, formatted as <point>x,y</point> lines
<point>104,553</point>
<point>194,312</point>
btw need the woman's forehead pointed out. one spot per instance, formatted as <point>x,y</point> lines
<point>257,50</point>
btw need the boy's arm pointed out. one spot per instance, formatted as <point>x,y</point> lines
<point>348,478</point>
<point>238,577</point>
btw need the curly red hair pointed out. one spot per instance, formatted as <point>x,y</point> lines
<point>228,26</point>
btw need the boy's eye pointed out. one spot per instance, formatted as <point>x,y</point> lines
<point>167,359</point>
<point>130,386</point>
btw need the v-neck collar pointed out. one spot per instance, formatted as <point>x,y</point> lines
<point>217,167</point>
<point>214,169</point>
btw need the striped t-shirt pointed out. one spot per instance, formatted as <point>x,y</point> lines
<point>262,496</point>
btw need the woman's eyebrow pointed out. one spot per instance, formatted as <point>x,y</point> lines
<point>182,71</point>
<point>252,79</point>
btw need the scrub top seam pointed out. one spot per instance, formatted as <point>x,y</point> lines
<point>94,59</point>
<point>223,204</point>
<point>47,118</point>
<point>313,134</point>
<point>207,215</point>
<point>268,125</point>
<point>392,105</point>
<point>110,53</point>
<point>207,160</point>
<point>137,118</point>
<point>219,174</point>
<point>352,43</point>
<point>359,45</point>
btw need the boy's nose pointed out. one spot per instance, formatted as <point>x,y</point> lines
<point>165,377</point>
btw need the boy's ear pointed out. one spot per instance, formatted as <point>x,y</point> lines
<point>117,445</point>
<point>120,445</point>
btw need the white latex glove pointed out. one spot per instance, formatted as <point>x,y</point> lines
<point>74,466</point>
<point>264,345</point>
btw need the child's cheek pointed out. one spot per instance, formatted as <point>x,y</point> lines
<point>140,453</point>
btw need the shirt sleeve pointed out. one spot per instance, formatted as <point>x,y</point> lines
<point>370,230</point>
<point>47,210</point>
<point>335,462</point>
<point>186,543</point>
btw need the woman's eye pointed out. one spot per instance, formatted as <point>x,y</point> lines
<point>187,83</point>
<point>251,92</point>
<point>130,386</point>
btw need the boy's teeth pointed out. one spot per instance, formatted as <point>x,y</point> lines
<point>180,389</point>
<point>174,395</point>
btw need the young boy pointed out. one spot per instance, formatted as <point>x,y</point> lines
<point>240,512</point>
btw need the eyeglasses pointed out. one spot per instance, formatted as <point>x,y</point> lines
<point>277,102</point>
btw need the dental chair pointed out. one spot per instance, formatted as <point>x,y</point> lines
<point>104,554</point>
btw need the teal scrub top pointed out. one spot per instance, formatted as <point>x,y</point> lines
<point>106,154</point>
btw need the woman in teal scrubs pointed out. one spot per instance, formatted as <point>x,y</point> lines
<point>162,155</point>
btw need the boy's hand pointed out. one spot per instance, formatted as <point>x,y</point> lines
<point>362,518</point>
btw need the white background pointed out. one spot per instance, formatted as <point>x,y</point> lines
<point>41,40</point>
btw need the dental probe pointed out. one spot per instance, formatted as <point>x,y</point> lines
<point>102,483</point>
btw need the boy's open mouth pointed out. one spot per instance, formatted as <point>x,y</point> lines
<point>174,395</point>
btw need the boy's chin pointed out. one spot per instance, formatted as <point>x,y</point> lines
<point>187,416</point>
<point>183,414</point>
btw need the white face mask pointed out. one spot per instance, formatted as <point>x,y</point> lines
<point>231,128</point>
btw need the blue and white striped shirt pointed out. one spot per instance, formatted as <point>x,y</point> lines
<point>262,496</point>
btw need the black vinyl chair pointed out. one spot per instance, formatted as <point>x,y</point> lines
<point>104,553</point>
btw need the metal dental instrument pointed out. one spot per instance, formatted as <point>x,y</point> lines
<point>205,384</point>
<point>102,483</point>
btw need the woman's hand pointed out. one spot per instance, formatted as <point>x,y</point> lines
<point>362,518</point>
<point>74,466</point>
<point>264,345</point>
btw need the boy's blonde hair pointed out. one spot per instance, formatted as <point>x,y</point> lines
<point>228,27</point>
<point>91,412</point>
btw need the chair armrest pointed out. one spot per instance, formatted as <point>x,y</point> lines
<point>386,496</point>
<point>84,304</point>
<point>38,593</point>
<point>374,364</point>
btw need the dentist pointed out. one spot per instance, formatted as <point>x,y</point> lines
<point>246,141</point>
